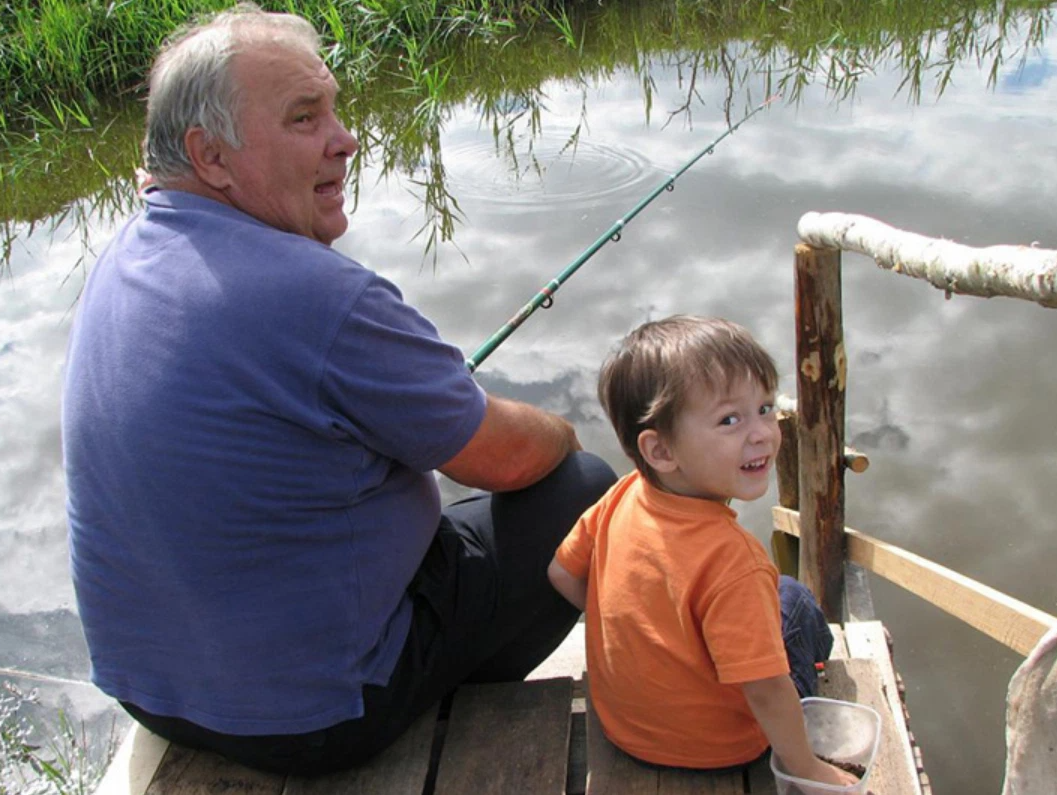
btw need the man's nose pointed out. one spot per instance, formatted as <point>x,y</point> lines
<point>343,143</point>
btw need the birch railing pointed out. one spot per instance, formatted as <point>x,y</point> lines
<point>813,459</point>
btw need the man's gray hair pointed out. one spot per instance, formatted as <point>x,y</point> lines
<point>192,85</point>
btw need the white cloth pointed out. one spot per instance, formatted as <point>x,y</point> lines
<point>1031,722</point>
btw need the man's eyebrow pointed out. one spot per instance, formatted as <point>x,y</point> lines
<point>306,99</point>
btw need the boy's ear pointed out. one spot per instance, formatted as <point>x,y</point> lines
<point>655,451</point>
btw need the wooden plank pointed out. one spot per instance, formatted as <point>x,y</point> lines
<point>187,772</point>
<point>761,778</point>
<point>858,600</point>
<point>676,781</point>
<point>568,659</point>
<point>840,645</point>
<point>135,763</point>
<point>610,771</point>
<point>866,639</point>
<point>402,767</point>
<point>820,385</point>
<point>1009,621</point>
<point>507,738</point>
<point>859,680</point>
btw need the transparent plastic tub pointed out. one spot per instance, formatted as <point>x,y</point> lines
<point>840,731</point>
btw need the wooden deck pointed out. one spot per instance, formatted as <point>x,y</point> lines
<point>528,738</point>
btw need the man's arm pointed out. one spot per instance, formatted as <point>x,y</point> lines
<point>776,706</point>
<point>574,589</point>
<point>515,446</point>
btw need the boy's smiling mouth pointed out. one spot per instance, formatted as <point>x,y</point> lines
<point>756,464</point>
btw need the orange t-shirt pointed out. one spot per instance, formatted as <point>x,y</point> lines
<point>682,606</point>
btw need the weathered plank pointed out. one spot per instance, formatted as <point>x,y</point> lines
<point>187,772</point>
<point>674,781</point>
<point>1009,621</point>
<point>610,771</point>
<point>505,738</point>
<point>761,778</point>
<point>859,680</point>
<point>867,639</point>
<point>133,766</point>
<point>840,645</point>
<point>402,767</point>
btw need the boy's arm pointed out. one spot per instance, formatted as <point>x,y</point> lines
<point>776,706</point>
<point>572,588</point>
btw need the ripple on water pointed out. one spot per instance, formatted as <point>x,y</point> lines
<point>549,170</point>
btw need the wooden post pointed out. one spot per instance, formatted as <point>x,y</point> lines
<point>787,464</point>
<point>786,548</point>
<point>821,371</point>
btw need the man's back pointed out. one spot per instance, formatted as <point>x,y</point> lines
<point>235,446</point>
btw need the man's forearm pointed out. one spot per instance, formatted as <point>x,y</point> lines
<point>516,445</point>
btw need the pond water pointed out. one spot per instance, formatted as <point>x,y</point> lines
<point>951,399</point>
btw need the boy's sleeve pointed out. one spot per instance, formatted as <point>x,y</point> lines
<point>574,554</point>
<point>742,628</point>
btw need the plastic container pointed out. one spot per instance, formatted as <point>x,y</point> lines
<point>840,731</point>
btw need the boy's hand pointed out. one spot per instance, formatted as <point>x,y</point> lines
<point>831,774</point>
<point>776,706</point>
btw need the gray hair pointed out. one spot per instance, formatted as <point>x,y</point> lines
<point>192,85</point>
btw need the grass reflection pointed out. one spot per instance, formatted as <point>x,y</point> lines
<point>69,156</point>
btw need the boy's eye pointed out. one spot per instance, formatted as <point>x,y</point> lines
<point>730,419</point>
<point>767,408</point>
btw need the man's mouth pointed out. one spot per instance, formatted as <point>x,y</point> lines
<point>329,188</point>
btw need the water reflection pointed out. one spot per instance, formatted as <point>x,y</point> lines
<point>952,398</point>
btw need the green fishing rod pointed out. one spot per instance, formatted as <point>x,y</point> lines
<point>545,297</point>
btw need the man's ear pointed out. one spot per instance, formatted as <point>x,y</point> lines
<point>656,452</point>
<point>207,158</point>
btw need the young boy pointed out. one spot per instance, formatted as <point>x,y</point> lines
<point>685,653</point>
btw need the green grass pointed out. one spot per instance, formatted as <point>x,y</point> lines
<point>71,72</point>
<point>44,759</point>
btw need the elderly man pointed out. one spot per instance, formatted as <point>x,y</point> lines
<point>251,423</point>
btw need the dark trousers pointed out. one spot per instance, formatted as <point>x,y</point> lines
<point>806,634</point>
<point>483,611</point>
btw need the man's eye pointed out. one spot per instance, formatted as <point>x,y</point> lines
<point>301,118</point>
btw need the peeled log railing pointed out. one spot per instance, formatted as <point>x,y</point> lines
<point>1022,272</point>
<point>813,460</point>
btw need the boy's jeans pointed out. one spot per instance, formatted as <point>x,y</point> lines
<point>807,637</point>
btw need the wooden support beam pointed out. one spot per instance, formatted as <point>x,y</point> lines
<point>821,373</point>
<point>855,461</point>
<point>785,549</point>
<point>1009,621</point>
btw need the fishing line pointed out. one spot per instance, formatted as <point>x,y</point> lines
<point>545,297</point>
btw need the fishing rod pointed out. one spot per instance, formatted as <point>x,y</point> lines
<point>545,297</point>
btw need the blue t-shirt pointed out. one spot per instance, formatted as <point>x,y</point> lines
<point>250,421</point>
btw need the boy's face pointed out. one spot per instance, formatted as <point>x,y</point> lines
<point>723,446</point>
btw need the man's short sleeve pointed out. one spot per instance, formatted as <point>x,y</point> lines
<point>394,385</point>
<point>742,628</point>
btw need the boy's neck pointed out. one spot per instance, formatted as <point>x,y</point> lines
<point>668,486</point>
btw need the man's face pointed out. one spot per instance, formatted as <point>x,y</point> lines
<point>289,171</point>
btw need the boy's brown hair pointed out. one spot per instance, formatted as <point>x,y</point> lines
<point>645,382</point>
